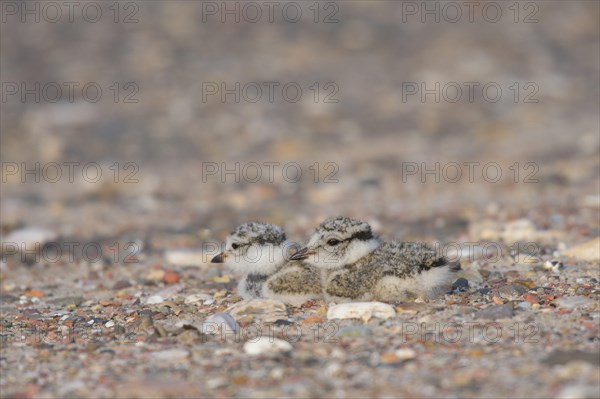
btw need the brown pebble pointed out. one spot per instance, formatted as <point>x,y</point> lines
<point>531,298</point>
<point>525,283</point>
<point>389,358</point>
<point>313,320</point>
<point>171,277</point>
<point>34,293</point>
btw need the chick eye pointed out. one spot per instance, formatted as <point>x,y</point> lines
<point>333,242</point>
<point>235,246</point>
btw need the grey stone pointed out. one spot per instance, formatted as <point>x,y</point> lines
<point>564,357</point>
<point>219,323</point>
<point>571,302</point>
<point>495,312</point>
<point>68,300</point>
<point>354,331</point>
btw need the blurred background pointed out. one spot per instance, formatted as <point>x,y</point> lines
<point>362,94</point>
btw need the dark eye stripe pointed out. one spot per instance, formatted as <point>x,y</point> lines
<point>362,235</point>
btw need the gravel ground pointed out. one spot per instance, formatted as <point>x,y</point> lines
<point>106,284</point>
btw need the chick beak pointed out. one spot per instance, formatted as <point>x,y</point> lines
<point>218,258</point>
<point>301,254</point>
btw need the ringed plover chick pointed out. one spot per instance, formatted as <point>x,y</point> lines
<point>257,251</point>
<point>357,265</point>
<point>260,252</point>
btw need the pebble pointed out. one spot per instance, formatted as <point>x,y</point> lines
<point>163,294</point>
<point>518,230</point>
<point>170,355</point>
<point>511,292</point>
<point>460,285</point>
<point>71,387</point>
<point>387,358</point>
<point>571,302</point>
<point>119,285</point>
<point>34,293</point>
<point>267,310</point>
<point>219,323</point>
<point>7,298</point>
<point>411,308</point>
<point>524,305</point>
<point>190,337</point>
<point>527,283</point>
<point>495,312</point>
<point>354,331</point>
<point>187,258</point>
<point>361,310</point>
<point>29,237</point>
<point>69,300</point>
<point>171,277</point>
<point>532,299</point>
<point>154,299</point>
<point>265,345</point>
<point>589,250</point>
<point>577,391</point>
<point>405,353</point>
<point>316,319</point>
<point>155,275</point>
<point>217,382</point>
<point>204,298</point>
<point>564,357</point>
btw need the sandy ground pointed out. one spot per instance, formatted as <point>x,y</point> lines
<point>112,209</point>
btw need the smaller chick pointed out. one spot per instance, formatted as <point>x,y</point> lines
<point>257,251</point>
<point>260,252</point>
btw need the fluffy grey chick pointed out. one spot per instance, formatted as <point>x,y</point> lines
<point>260,252</point>
<point>356,265</point>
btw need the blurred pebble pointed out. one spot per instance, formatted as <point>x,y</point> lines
<point>217,382</point>
<point>518,230</point>
<point>204,298</point>
<point>571,302</point>
<point>354,331</point>
<point>29,237</point>
<point>523,306</point>
<point>187,258</point>
<point>564,357</point>
<point>589,250</point>
<point>460,285</point>
<point>171,277</point>
<point>361,310</point>
<point>154,299</point>
<point>495,312</point>
<point>268,310</point>
<point>267,346</point>
<point>70,300</point>
<point>511,292</point>
<point>155,275</point>
<point>578,391</point>
<point>119,285</point>
<point>405,353</point>
<point>170,355</point>
<point>219,323</point>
